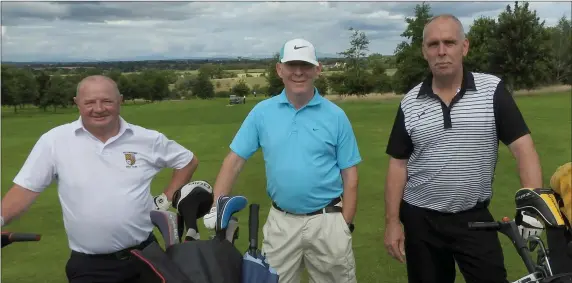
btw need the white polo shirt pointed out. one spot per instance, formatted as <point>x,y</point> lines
<point>104,188</point>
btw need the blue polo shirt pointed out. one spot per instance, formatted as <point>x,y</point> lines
<point>304,150</point>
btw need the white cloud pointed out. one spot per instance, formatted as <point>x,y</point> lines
<point>108,31</point>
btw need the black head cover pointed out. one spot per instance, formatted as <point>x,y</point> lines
<point>193,201</point>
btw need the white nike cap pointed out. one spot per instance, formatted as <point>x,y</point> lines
<point>298,50</point>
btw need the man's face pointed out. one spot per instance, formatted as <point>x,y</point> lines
<point>443,47</point>
<point>99,104</point>
<point>298,76</point>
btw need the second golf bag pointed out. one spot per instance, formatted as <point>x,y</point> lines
<point>193,260</point>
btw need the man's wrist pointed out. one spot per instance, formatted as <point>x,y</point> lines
<point>392,220</point>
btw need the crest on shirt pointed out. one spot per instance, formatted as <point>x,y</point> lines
<point>130,159</point>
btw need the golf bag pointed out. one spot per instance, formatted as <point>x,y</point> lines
<point>544,205</point>
<point>216,260</point>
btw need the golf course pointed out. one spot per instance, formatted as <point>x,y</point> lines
<point>207,127</point>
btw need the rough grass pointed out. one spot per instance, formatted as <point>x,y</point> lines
<point>207,128</point>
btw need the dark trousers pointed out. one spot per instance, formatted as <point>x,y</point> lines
<point>434,241</point>
<point>119,267</point>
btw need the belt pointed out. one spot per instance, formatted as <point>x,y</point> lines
<point>122,254</point>
<point>330,208</point>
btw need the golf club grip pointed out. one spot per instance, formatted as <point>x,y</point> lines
<point>253,225</point>
<point>484,226</point>
<point>23,237</point>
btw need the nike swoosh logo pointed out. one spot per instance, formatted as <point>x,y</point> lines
<point>298,47</point>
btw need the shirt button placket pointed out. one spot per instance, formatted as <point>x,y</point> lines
<point>294,127</point>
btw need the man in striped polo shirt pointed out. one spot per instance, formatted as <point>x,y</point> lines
<point>443,152</point>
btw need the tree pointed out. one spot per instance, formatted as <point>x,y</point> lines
<point>356,78</point>
<point>60,93</point>
<point>381,82</point>
<point>241,88</point>
<point>522,48</point>
<point>275,83</point>
<point>561,58</point>
<point>321,83</point>
<point>411,66</point>
<point>203,87</point>
<point>480,36</point>
<point>42,83</point>
<point>184,85</point>
<point>10,94</point>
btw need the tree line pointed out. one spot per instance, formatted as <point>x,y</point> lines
<point>515,46</point>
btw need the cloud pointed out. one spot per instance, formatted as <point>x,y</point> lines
<point>51,31</point>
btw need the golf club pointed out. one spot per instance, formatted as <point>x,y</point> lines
<point>12,237</point>
<point>543,258</point>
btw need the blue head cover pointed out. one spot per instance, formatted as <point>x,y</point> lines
<point>226,207</point>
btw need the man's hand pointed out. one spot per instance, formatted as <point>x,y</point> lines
<point>395,241</point>
<point>210,219</point>
<point>161,202</point>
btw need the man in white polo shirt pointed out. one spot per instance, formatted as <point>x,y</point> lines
<point>103,166</point>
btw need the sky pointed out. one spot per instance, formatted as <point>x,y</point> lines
<point>86,31</point>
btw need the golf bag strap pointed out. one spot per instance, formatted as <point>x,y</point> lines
<point>330,208</point>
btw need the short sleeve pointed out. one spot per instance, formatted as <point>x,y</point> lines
<point>509,121</point>
<point>170,154</point>
<point>39,170</point>
<point>347,150</point>
<point>246,141</point>
<point>400,145</point>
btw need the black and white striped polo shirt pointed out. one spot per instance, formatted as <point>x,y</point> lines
<point>452,150</point>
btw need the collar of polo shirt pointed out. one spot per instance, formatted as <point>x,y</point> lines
<point>468,83</point>
<point>123,126</point>
<point>317,99</point>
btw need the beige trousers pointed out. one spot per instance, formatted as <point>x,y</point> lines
<point>322,243</point>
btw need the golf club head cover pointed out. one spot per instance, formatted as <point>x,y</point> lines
<point>540,203</point>
<point>561,183</point>
<point>193,201</point>
<point>166,222</point>
<point>528,225</point>
<point>226,208</point>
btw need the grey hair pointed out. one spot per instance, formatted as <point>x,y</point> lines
<point>97,77</point>
<point>446,16</point>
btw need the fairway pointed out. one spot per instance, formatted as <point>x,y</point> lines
<point>207,128</point>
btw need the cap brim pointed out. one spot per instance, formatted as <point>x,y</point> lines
<point>313,62</point>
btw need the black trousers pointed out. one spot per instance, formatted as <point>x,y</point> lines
<point>434,241</point>
<point>109,268</point>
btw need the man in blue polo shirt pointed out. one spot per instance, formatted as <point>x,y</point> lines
<point>311,157</point>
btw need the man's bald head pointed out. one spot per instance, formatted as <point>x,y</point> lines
<point>446,17</point>
<point>97,79</point>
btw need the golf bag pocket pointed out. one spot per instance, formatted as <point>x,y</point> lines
<point>157,267</point>
<point>203,261</point>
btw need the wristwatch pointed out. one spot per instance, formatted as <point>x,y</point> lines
<point>352,227</point>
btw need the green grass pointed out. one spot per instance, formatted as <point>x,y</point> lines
<point>207,127</point>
